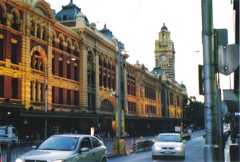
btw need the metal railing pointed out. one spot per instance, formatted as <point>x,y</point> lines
<point>10,151</point>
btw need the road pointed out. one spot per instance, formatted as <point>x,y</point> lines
<point>194,152</point>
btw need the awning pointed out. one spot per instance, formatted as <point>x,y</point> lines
<point>233,106</point>
<point>42,114</point>
<point>232,100</point>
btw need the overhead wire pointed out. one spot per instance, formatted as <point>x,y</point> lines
<point>137,10</point>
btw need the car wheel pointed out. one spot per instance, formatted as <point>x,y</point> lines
<point>104,160</point>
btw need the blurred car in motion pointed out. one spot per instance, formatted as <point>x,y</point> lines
<point>66,148</point>
<point>168,144</point>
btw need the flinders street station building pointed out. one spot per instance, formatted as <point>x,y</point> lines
<point>59,73</point>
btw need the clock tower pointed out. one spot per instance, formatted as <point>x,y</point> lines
<point>164,53</point>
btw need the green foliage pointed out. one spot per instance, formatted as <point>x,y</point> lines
<point>195,111</point>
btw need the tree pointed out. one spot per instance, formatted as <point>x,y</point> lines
<point>195,111</point>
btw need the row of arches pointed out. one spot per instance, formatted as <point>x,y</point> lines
<point>39,28</point>
<point>65,43</point>
<point>12,19</point>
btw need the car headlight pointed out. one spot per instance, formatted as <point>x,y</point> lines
<point>18,160</point>
<point>156,148</point>
<point>178,148</point>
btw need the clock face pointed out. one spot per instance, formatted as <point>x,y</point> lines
<point>163,58</point>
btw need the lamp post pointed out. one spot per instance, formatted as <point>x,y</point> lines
<point>211,147</point>
<point>46,103</point>
<point>120,143</point>
<point>119,91</point>
<point>182,116</point>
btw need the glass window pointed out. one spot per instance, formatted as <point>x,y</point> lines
<point>85,143</point>
<point>1,49</point>
<point>95,142</point>
<point>59,143</point>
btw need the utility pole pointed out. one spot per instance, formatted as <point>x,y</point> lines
<point>119,91</point>
<point>46,102</point>
<point>237,72</point>
<point>211,147</point>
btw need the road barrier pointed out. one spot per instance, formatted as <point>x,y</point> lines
<point>142,145</point>
<point>186,136</point>
<point>10,152</point>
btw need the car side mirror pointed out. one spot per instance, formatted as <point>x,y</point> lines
<point>84,149</point>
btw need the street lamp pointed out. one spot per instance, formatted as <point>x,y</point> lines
<point>46,102</point>
<point>119,90</point>
<point>121,55</point>
<point>119,116</point>
<point>182,116</point>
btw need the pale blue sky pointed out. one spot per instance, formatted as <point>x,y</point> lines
<point>136,23</point>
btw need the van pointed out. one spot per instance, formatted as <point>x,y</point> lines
<point>8,133</point>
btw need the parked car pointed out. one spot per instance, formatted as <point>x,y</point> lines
<point>66,148</point>
<point>168,144</point>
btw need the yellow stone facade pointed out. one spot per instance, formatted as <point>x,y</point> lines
<point>76,93</point>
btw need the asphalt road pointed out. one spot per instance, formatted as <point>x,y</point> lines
<point>194,152</point>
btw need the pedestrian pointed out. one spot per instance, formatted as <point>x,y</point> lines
<point>109,136</point>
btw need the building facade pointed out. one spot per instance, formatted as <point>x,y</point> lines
<point>58,72</point>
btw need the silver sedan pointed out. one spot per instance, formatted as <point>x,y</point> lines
<point>168,144</point>
<point>66,148</point>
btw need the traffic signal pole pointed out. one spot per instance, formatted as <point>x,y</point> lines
<point>211,147</point>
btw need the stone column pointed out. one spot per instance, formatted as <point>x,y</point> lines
<point>83,98</point>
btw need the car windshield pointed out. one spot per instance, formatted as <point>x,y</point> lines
<point>169,138</point>
<point>59,143</point>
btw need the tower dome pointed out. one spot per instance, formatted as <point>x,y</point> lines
<point>106,31</point>
<point>157,70</point>
<point>164,27</point>
<point>183,86</point>
<point>69,12</point>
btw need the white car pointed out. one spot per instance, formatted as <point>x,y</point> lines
<point>168,144</point>
<point>66,148</point>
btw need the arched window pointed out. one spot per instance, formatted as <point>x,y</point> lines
<point>37,61</point>
<point>91,70</point>
<point>15,25</point>
<point>61,43</point>
<point>69,49</point>
<point>44,35</point>
<point>106,106</point>
<point>100,72</point>
<point>39,29</point>
<point>1,17</point>
<point>76,49</point>
<point>33,29</point>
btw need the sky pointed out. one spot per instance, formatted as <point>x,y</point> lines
<point>136,23</point>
